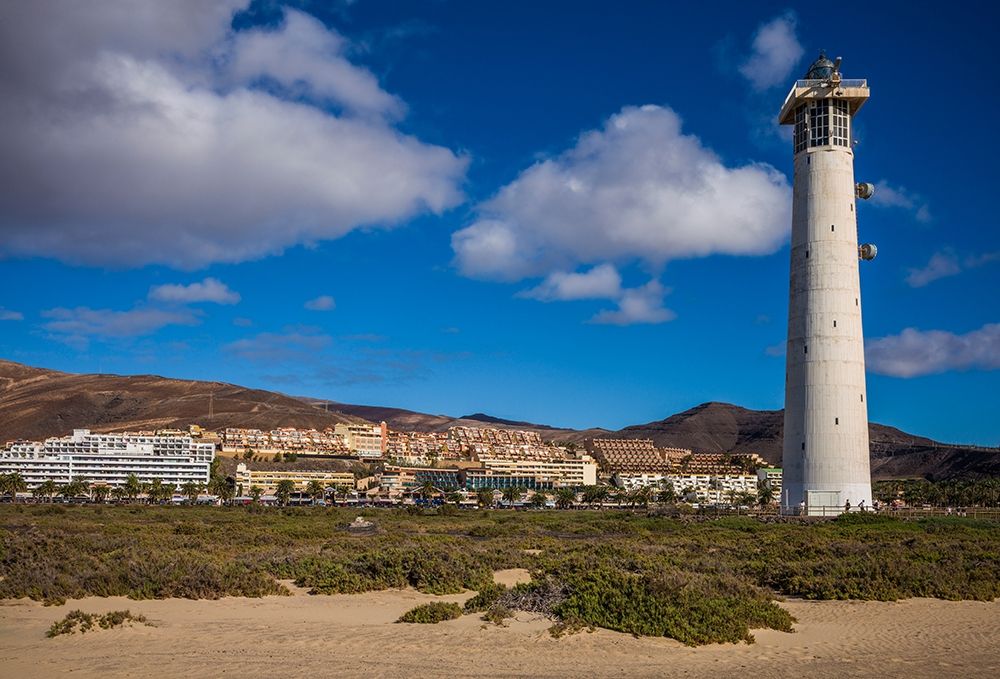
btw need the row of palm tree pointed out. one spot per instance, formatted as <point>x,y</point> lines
<point>131,490</point>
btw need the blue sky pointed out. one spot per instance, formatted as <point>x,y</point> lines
<point>570,213</point>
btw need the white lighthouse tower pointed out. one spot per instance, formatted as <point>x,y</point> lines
<point>825,456</point>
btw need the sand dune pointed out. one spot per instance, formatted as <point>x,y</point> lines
<point>355,635</point>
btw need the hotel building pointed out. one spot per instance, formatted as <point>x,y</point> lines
<point>109,459</point>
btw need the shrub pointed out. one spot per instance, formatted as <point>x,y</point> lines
<point>432,613</point>
<point>485,598</point>
<point>86,622</point>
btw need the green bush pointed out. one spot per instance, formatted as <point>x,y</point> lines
<point>432,613</point>
<point>485,598</point>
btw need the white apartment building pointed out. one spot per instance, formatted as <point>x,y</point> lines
<point>581,471</point>
<point>366,441</point>
<point>713,488</point>
<point>109,459</point>
<point>268,480</point>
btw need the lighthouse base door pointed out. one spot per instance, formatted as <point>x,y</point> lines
<point>823,503</point>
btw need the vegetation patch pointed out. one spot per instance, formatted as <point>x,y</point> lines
<point>699,582</point>
<point>85,622</point>
<point>485,598</point>
<point>432,613</point>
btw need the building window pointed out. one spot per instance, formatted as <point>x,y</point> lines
<point>803,445</point>
<point>807,254</point>
<point>840,123</point>
<point>835,324</point>
<point>862,398</point>
<point>801,132</point>
<point>819,123</point>
<point>836,420</point>
<point>806,347</point>
<point>831,228</point>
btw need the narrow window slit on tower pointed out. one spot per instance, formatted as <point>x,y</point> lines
<point>831,228</point>
<point>855,301</point>
<point>806,349</point>
<point>862,398</point>
<point>803,445</point>
<point>836,420</point>
<point>807,254</point>
<point>835,324</point>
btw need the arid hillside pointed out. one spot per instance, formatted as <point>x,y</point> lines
<point>36,403</point>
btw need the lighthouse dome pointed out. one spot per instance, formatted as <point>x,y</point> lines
<point>821,69</point>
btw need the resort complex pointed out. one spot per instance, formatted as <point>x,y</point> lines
<point>371,463</point>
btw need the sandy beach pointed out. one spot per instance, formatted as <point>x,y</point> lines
<point>355,635</point>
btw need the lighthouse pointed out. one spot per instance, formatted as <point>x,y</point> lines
<point>825,451</point>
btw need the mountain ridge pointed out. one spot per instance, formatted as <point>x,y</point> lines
<point>36,403</point>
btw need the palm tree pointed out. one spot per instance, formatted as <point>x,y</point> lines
<point>765,494</point>
<point>154,490</point>
<point>484,496</point>
<point>284,491</point>
<point>565,497</point>
<point>455,497</point>
<point>255,493</point>
<point>593,495</point>
<point>83,487</point>
<point>70,490</point>
<point>191,489</point>
<point>132,487</point>
<point>100,493</point>
<point>117,493</point>
<point>315,490</point>
<point>13,483</point>
<point>667,495</point>
<point>427,490</point>
<point>222,488</point>
<point>539,499</point>
<point>511,495</point>
<point>47,488</point>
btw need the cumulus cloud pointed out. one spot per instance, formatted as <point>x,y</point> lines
<point>637,188</point>
<point>208,290</point>
<point>600,282</point>
<point>78,325</point>
<point>776,51</point>
<point>635,305</point>
<point>321,303</point>
<point>638,305</point>
<point>947,263</point>
<point>887,195</point>
<point>136,132</point>
<point>914,353</point>
<point>8,315</point>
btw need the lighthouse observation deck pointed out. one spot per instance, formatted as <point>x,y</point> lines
<point>854,92</point>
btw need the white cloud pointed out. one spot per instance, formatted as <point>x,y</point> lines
<point>304,56</point>
<point>600,282</point>
<point>321,303</point>
<point>887,195</point>
<point>941,265</point>
<point>208,290</point>
<point>776,51</point>
<point>914,353</point>
<point>78,324</point>
<point>637,188</point>
<point>149,132</point>
<point>638,305</point>
<point>8,315</point>
<point>946,263</point>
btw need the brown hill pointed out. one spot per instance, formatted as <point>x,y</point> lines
<point>722,427</point>
<point>36,403</point>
